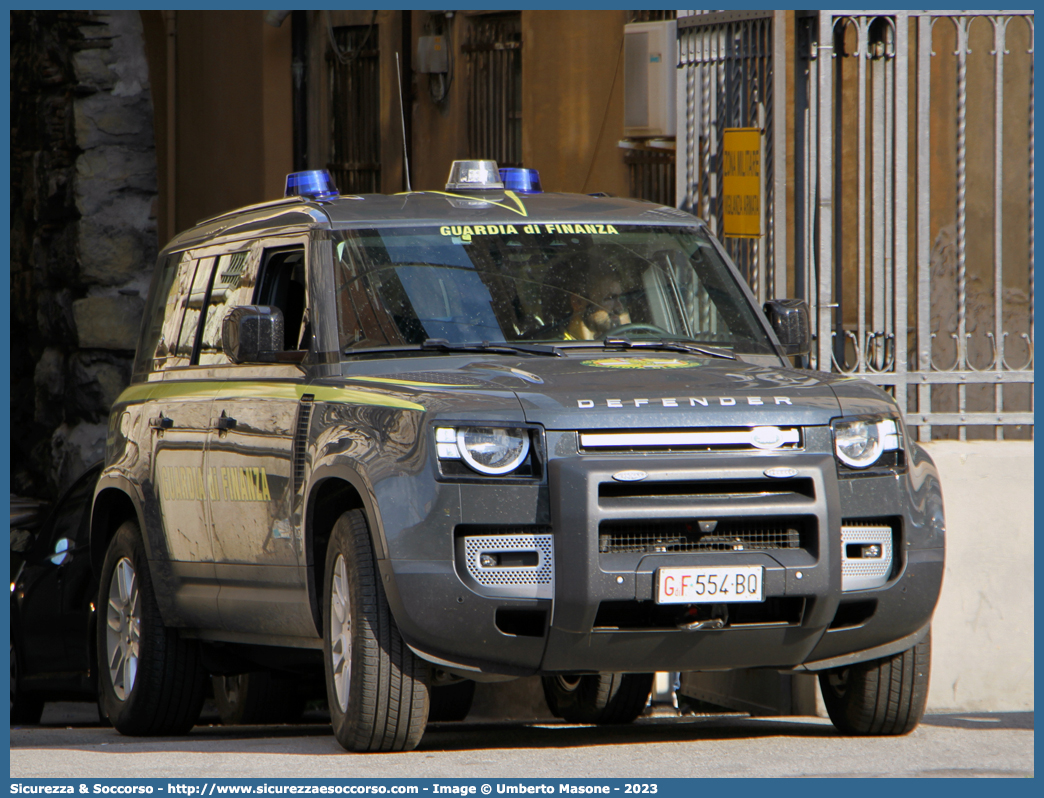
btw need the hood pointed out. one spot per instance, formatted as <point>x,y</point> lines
<point>670,390</point>
<point>609,390</point>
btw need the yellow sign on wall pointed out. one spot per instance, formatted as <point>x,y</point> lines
<point>741,185</point>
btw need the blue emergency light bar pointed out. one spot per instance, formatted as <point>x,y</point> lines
<point>522,181</point>
<point>315,184</point>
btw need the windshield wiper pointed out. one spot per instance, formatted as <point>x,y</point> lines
<point>498,348</point>
<point>668,346</point>
<point>442,345</point>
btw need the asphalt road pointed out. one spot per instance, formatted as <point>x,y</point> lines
<point>68,743</point>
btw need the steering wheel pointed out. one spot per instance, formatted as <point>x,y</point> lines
<point>638,327</point>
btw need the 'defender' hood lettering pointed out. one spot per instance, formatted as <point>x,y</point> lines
<point>635,391</point>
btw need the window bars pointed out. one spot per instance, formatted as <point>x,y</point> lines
<point>914,234</point>
<point>732,65</point>
<point>355,109</point>
<point>913,223</point>
<point>493,53</point>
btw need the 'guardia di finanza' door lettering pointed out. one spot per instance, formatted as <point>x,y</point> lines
<point>216,484</point>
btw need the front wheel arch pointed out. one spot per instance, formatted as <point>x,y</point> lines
<point>113,506</point>
<point>332,493</point>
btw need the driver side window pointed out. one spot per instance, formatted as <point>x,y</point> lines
<point>282,285</point>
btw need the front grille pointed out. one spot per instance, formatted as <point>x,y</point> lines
<point>707,489</point>
<point>746,534</point>
<point>722,439</point>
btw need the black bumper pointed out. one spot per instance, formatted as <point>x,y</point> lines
<point>603,615</point>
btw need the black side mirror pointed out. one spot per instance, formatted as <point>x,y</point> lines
<point>252,333</point>
<point>789,320</point>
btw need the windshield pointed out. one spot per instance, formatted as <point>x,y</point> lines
<point>541,283</point>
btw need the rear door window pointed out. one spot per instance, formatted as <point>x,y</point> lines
<point>234,281</point>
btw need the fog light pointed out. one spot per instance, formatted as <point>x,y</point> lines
<point>487,561</point>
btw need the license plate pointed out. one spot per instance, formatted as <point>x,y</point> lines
<point>710,584</point>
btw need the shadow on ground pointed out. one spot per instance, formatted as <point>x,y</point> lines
<point>62,725</point>
<point>982,720</point>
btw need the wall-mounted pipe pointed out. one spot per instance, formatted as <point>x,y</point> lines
<point>171,23</point>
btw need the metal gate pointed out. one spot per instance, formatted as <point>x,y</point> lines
<point>733,69</point>
<point>493,52</point>
<point>355,104</point>
<point>914,230</point>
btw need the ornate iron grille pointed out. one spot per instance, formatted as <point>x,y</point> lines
<point>731,62</point>
<point>493,51</point>
<point>355,110</point>
<point>914,218</point>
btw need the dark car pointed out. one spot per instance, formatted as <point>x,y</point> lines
<point>54,594</point>
<point>53,611</point>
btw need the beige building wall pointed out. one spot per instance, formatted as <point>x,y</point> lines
<point>223,104</point>
<point>230,140</point>
<point>439,130</point>
<point>982,633</point>
<point>572,99</point>
<point>572,102</point>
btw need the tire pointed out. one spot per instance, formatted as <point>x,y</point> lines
<point>26,708</point>
<point>377,689</point>
<point>881,697</point>
<point>451,702</point>
<point>257,698</point>
<point>603,698</point>
<point>150,680</point>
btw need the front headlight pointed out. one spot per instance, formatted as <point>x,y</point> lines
<point>488,450</point>
<point>860,442</point>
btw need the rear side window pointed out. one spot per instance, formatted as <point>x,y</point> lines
<point>162,320</point>
<point>193,302</point>
<point>233,285</point>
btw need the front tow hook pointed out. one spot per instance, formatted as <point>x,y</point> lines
<point>709,624</point>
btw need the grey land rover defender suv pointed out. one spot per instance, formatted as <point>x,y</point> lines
<point>404,443</point>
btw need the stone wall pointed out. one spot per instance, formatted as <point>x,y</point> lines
<point>83,233</point>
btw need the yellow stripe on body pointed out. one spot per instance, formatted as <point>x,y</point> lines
<point>251,389</point>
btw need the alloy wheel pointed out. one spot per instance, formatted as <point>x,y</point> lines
<point>341,632</point>
<point>123,636</point>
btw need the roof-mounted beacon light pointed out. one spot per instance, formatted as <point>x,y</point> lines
<point>523,181</point>
<point>314,184</point>
<point>474,176</point>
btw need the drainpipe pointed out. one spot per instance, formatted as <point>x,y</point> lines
<point>299,72</point>
<point>170,21</point>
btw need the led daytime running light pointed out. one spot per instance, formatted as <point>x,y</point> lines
<point>860,442</point>
<point>487,450</point>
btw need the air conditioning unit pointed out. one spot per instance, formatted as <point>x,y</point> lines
<point>649,78</point>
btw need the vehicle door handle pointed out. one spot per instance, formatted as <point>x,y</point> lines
<point>161,422</point>
<point>226,422</point>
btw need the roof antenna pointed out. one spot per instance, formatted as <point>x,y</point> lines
<point>402,117</point>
